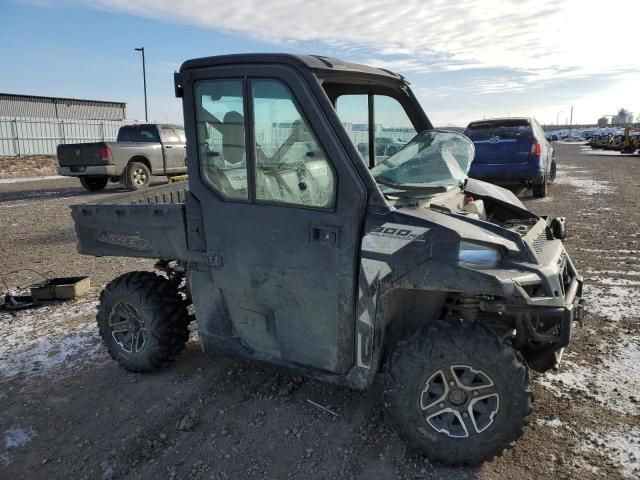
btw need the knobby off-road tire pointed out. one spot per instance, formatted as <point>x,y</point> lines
<point>490,383</point>
<point>143,321</point>
<point>94,184</point>
<point>137,176</point>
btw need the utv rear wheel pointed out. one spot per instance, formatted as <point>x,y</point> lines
<point>143,321</point>
<point>94,184</point>
<point>137,176</point>
<point>540,191</point>
<point>458,394</point>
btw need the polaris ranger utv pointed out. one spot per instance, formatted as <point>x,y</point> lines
<point>293,249</point>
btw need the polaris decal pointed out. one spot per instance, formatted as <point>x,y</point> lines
<point>129,241</point>
<point>391,237</point>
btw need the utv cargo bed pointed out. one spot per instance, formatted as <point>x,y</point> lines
<point>147,224</point>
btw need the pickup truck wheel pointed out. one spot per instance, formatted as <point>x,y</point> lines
<point>540,191</point>
<point>552,171</point>
<point>143,321</point>
<point>458,394</point>
<point>137,176</point>
<point>94,184</point>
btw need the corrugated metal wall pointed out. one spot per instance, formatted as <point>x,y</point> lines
<point>28,106</point>
<point>26,136</point>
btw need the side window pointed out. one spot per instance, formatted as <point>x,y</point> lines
<point>291,167</point>
<point>168,135</point>
<point>221,140</point>
<point>124,134</point>
<point>181,136</point>
<point>145,133</point>
<point>353,112</point>
<point>393,128</point>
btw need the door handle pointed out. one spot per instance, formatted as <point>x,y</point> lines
<point>324,235</point>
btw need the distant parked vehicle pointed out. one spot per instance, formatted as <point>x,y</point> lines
<point>512,152</point>
<point>139,152</point>
<point>385,147</point>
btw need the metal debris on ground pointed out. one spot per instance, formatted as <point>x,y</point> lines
<point>50,288</point>
<point>323,408</point>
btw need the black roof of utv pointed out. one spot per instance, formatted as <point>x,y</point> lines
<point>321,66</point>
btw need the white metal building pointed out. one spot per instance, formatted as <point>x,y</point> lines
<point>32,124</point>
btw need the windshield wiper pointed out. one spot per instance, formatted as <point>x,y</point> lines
<point>413,187</point>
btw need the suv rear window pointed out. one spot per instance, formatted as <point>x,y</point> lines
<point>502,128</point>
<point>138,133</point>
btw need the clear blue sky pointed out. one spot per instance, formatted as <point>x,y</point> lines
<point>465,60</point>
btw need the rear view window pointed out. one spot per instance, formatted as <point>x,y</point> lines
<point>142,133</point>
<point>501,128</point>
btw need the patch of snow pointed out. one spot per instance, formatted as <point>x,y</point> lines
<point>18,437</point>
<point>621,446</point>
<point>29,179</point>
<point>586,185</point>
<point>601,250</point>
<point>51,339</point>
<point>606,153</point>
<point>630,273</point>
<point>613,383</point>
<point>612,299</point>
<point>570,376</point>
<point>553,423</point>
<point>15,438</point>
<point>615,281</point>
<point>577,142</point>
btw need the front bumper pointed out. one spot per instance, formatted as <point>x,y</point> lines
<point>89,170</point>
<point>543,305</point>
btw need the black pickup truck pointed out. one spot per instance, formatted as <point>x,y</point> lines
<point>139,152</point>
<point>293,249</point>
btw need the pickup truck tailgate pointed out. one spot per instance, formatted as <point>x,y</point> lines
<point>74,154</point>
<point>147,224</point>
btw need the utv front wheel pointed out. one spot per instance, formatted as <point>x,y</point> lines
<point>142,321</point>
<point>458,394</point>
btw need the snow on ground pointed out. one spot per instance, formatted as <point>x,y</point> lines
<point>615,383</point>
<point>53,338</point>
<point>622,446</point>
<point>29,179</point>
<point>552,423</point>
<point>586,186</point>
<point>612,298</point>
<point>629,273</point>
<point>601,250</point>
<point>15,438</point>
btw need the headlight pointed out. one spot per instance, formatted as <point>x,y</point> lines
<point>477,255</point>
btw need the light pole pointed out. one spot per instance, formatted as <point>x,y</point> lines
<point>557,114</point>
<point>144,81</point>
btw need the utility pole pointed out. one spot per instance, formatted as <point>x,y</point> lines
<point>144,81</point>
<point>571,121</point>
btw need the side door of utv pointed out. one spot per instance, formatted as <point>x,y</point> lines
<point>278,210</point>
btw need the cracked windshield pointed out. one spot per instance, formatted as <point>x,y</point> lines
<point>431,160</point>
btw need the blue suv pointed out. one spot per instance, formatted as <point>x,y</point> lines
<point>512,152</point>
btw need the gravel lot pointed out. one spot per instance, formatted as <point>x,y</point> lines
<point>68,411</point>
